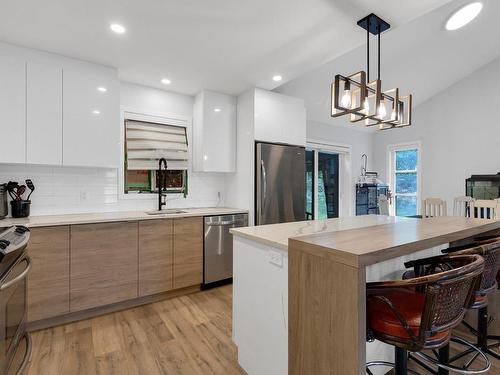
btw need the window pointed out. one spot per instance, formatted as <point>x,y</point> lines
<point>405,178</point>
<point>145,144</point>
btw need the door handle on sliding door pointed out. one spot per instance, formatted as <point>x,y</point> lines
<point>264,185</point>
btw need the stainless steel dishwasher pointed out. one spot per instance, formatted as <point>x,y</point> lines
<point>218,248</point>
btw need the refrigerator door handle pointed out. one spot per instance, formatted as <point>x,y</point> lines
<point>264,185</point>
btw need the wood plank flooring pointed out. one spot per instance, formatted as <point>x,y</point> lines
<point>184,335</point>
<point>189,335</point>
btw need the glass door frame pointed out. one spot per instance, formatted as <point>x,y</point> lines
<point>345,174</point>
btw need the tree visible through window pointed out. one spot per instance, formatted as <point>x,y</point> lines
<point>405,181</point>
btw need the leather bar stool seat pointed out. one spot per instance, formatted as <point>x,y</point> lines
<point>410,304</point>
<point>419,313</point>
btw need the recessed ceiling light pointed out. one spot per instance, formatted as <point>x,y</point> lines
<point>277,78</point>
<point>102,89</point>
<point>217,110</point>
<point>463,16</point>
<point>96,112</point>
<point>117,28</point>
<point>166,81</point>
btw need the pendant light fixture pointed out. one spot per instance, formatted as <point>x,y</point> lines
<point>363,99</point>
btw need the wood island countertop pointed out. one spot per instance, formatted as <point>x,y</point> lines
<point>374,244</point>
<point>277,235</point>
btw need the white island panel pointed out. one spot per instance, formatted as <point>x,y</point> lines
<point>260,307</point>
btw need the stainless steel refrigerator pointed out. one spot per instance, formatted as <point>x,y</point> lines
<point>280,183</point>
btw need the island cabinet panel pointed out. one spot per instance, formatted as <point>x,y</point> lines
<point>104,264</point>
<point>188,252</point>
<point>48,280</point>
<point>155,256</point>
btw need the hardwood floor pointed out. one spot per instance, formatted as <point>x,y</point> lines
<point>184,335</point>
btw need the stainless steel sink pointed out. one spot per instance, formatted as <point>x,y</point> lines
<point>169,211</point>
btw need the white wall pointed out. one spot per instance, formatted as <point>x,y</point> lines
<point>70,190</point>
<point>459,131</point>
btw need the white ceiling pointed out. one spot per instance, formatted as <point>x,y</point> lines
<point>223,45</point>
<point>419,57</point>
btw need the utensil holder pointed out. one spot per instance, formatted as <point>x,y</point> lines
<point>20,208</point>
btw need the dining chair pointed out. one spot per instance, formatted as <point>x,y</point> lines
<point>433,207</point>
<point>461,206</point>
<point>485,209</point>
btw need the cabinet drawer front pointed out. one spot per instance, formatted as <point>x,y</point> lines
<point>155,256</point>
<point>188,252</point>
<point>48,280</point>
<point>104,260</point>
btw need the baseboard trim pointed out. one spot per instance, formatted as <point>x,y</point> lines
<point>102,310</point>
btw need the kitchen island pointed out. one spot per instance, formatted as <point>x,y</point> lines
<point>299,288</point>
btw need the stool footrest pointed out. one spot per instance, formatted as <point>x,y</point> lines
<point>385,364</point>
<point>461,370</point>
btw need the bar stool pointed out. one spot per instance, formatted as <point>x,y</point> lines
<point>419,313</point>
<point>489,249</point>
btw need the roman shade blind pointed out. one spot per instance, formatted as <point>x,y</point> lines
<point>146,143</point>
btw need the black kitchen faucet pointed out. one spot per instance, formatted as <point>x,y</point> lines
<point>162,177</point>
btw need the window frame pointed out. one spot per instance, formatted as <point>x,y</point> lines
<point>391,171</point>
<point>130,113</point>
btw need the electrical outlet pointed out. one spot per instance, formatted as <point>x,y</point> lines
<point>275,258</point>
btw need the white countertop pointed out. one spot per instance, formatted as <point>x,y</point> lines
<point>277,235</point>
<point>102,217</point>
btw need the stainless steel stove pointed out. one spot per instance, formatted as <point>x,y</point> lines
<point>15,342</point>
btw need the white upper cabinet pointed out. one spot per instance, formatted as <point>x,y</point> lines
<point>279,118</point>
<point>91,134</point>
<point>44,127</point>
<point>13,110</point>
<point>214,132</point>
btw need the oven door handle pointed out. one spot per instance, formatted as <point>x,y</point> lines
<point>18,278</point>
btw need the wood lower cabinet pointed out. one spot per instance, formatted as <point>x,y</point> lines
<point>104,259</point>
<point>48,280</point>
<point>80,267</point>
<point>188,252</point>
<point>155,256</point>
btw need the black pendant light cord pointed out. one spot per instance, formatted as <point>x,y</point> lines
<point>368,54</point>
<point>378,52</point>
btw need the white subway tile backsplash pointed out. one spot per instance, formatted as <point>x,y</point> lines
<point>61,190</point>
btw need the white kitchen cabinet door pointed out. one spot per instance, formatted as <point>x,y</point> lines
<point>279,118</point>
<point>13,110</point>
<point>91,116</point>
<point>214,132</point>
<point>44,114</point>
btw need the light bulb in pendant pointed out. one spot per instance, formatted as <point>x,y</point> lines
<point>382,112</point>
<point>393,114</point>
<point>346,99</point>
<point>366,106</point>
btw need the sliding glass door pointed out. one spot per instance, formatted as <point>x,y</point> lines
<point>322,185</point>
